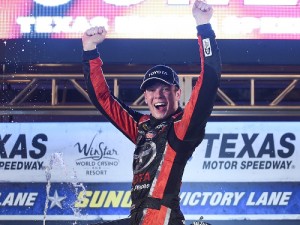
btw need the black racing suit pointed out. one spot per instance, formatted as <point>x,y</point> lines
<point>163,147</point>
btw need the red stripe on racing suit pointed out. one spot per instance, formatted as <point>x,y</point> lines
<point>162,147</point>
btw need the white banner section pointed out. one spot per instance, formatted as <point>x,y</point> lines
<point>247,151</point>
<point>98,152</point>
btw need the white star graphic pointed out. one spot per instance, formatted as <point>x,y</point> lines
<point>56,200</point>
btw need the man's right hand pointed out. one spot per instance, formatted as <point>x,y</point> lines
<point>92,37</point>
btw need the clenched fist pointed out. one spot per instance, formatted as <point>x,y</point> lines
<point>92,37</point>
<point>202,12</point>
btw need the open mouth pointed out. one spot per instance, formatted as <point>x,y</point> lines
<point>160,105</point>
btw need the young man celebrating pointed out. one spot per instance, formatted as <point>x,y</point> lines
<point>166,138</point>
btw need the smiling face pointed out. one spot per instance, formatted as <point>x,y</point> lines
<point>162,99</point>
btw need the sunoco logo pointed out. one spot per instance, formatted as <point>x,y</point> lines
<point>260,151</point>
<point>97,157</point>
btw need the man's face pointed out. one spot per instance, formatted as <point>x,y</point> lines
<point>162,99</point>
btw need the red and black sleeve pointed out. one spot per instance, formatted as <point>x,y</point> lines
<point>120,115</point>
<point>197,111</point>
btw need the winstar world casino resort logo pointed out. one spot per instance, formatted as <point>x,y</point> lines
<point>97,157</point>
<point>244,151</point>
<point>22,152</point>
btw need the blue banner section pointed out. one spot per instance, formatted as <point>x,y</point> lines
<point>64,199</point>
<point>241,198</point>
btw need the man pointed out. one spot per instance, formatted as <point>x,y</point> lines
<point>166,138</point>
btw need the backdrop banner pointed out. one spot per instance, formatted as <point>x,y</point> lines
<point>80,171</point>
<point>140,19</point>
